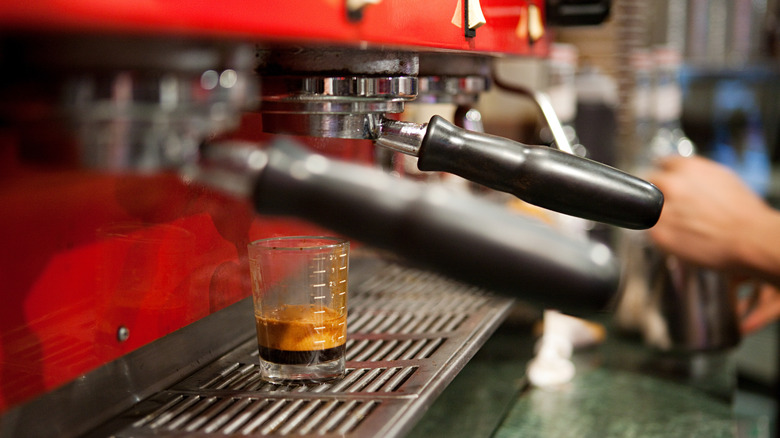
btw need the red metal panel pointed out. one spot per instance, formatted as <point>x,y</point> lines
<point>87,253</point>
<point>426,24</point>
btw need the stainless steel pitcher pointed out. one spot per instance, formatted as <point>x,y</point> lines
<point>675,306</point>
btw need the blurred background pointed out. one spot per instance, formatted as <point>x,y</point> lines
<point>710,68</point>
<point>143,145</point>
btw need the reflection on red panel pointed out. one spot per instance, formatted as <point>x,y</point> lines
<point>89,255</point>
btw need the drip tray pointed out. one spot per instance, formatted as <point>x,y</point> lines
<point>409,333</point>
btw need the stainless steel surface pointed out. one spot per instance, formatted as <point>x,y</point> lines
<point>695,307</point>
<point>95,397</point>
<point>460,90</point>
<point>542,102</point>
<point>674,305</point>
<point>140,121</point>
<point>341,107</point>
<point>404,137</point>
<point>308,90</point>
<point>453,77</point>
<point>133,103</point>
<point>410,333</point>
<point>317,60</point>
<point>354,126</point>
<point>298,97</point>
<point>545,106</point>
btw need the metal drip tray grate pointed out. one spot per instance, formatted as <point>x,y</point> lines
<point>410,333</point>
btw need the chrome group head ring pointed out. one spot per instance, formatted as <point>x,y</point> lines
<point>297,89</point>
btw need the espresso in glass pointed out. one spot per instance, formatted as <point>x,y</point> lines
<point>301,335</point>
<point>299,289</point>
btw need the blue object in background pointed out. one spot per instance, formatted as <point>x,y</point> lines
<point>739,141</point>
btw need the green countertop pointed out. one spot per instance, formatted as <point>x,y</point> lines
<point>620,389</point>
<point>611,403</point>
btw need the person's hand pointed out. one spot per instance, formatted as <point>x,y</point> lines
<point>711,218</point>
<point>759,309</point>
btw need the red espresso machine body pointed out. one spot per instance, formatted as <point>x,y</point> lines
<point>96,263</point>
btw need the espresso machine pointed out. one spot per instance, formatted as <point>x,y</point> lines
<point>146,144</point>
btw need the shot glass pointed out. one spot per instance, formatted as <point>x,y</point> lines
<point>299,290</point>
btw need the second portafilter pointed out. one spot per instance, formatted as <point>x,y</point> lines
<point>346,93</point>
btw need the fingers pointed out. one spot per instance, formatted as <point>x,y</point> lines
<point>756,320</point>
<point>745,304</point>
<point>667,163</point>
<point>764,311</point>
<point>666,170</point>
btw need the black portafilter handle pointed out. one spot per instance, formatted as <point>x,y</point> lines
<point>542,176</point>
<point>456,234</point>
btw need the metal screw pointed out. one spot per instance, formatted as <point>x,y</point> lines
<point>122,333</point>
